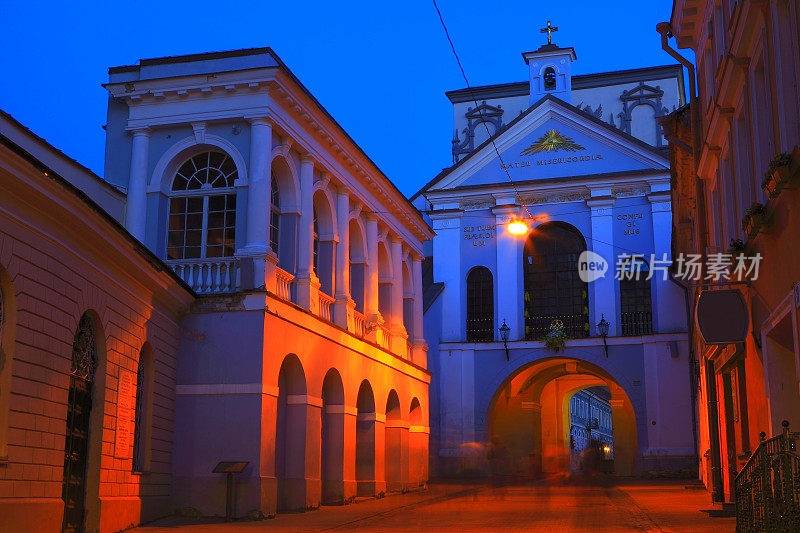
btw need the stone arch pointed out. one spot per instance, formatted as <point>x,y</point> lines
<point>290,435</point>
<point>8,330</point>
<point>417,445</point>
<point>332,439</point>
<point>358,261</point>
<point>535,435</point>
<point>178,153</point>
<point>283,175</point>
<point>365,440</point>
<point>395,444</point>
<point>325,237</point>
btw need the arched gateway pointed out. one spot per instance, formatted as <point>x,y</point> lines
<point>529,416</point>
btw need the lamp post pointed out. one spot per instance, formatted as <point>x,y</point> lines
<point>504,329</point>
<point>602,329</point>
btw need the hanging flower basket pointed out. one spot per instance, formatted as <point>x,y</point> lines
<point>736,247</point>
<point>778,175</point>
<point>754,219</point>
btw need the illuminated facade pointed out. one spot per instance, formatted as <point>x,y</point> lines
<point>748,74</point>
<point>587,159</point>
<point>263,303</point>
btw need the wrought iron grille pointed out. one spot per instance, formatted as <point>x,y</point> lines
<point>480,305</point>
<point>635,323</point>
<point>553,288</point>
<point>768,486</point>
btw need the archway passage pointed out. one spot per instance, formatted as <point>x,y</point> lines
<point>529,418</point>
<point>365,441</point>
<point>591,438</point>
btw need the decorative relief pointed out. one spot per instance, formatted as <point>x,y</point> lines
<point>556,198</point>
<point>642,94</point>
<point>483,113</point>
<point>475,205</point>
<point>630,191</point>
<point>446,223</point>
<point>661,206</point>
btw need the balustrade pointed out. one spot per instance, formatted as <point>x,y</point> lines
<point>208,276</point>
<point>283,284</point>
<point>325,306</point>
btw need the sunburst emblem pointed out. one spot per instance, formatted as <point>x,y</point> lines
<point>552,141</point>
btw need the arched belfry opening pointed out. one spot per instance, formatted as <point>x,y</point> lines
<point>554,292</point>
<point>531,418</point>
<point>549,77</point>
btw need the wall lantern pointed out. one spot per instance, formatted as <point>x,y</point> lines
<point>504,330</point>
<point>602,330</point>
<point>517,226</point>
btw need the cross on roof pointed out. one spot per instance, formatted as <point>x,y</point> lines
<point>549,31</point>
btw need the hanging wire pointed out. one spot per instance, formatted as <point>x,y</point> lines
<point>518,196</point>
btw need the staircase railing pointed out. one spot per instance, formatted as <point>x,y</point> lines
<point>768,486</point>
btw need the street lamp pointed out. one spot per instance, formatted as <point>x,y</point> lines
<point>517,226</point>
<point>504,330</point>
<point>602,329</point>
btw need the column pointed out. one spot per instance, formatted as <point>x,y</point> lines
<point>667,297</point>
<point>256,251</point>
<point>305,280</point>
<point>398,328</point>
<point>344,305</point>
<point>420,350</point>
<point>447,269</point>
<point>268,483</point>
<point>603,291</point>
<point>136,206</point>
<point>313,466</point>
<point>509,281</point>
<point>371,289</point>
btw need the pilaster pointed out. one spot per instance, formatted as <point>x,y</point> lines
<point>604,289</point>
<point>509,281</point>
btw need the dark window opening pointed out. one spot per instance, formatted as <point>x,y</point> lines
<point>480,305</point>
<point>549,79</point>
<point>636,312</point>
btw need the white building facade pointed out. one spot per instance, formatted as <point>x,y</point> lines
<point>582,160</point>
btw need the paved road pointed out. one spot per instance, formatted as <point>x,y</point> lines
<point>575,506</point>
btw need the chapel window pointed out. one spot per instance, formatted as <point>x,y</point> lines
<point>636,312</point>
<point>480,305</point>
<point>549,79</point>
<point>139,414</point>
<point>275,216</point>
<point>202,209</point>
<point>316,243</point>
<point>555,296</point>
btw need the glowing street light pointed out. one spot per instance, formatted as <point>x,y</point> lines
<point>517,227</point>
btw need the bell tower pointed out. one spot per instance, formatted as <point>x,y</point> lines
<point>550,71</point>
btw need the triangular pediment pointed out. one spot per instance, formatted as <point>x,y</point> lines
<point>551,140</point>
<point>642,91</point>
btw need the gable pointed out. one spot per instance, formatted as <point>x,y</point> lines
<point>552,140</point>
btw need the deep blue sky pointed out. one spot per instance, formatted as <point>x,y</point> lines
<point>380,68</point>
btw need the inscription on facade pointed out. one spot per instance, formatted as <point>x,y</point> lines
<point>630,220</point>
<point>478,235</point>
<point>125,395</point>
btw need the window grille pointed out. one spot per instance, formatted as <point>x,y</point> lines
<point>84,351</point>
<point>480,305</point>
<point>636,313</point>
<point>553,288</point>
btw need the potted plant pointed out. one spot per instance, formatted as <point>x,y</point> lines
<point>736,247</point>
<point>556,338</point>
<point>753,219</point>
<point>777,175</point>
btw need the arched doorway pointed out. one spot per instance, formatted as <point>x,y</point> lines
<point>553,288</point>
<point>332,468</point>
<point>417,445</point>
<point>365,441</point>
<point>290,436</point>
<point>530,415</point>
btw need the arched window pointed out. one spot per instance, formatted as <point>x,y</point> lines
<point>202,208</point>
<point>144,393</point>
<point>316,243</point>
<point>480,305</point>
<point>553,288</point>
<point>636,312</point>
<point>275,216</point>
<point>549,79</point>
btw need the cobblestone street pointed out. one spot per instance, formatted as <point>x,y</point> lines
<point>652,506</point>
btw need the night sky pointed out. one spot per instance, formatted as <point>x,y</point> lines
<point>380,68</point>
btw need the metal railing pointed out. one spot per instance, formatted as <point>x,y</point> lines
<point>283,284</point>
<point>538,326</point>
<point>325,306</point>
<point>208,276</point>
<point>768,486</point>
<point>636,323</point>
